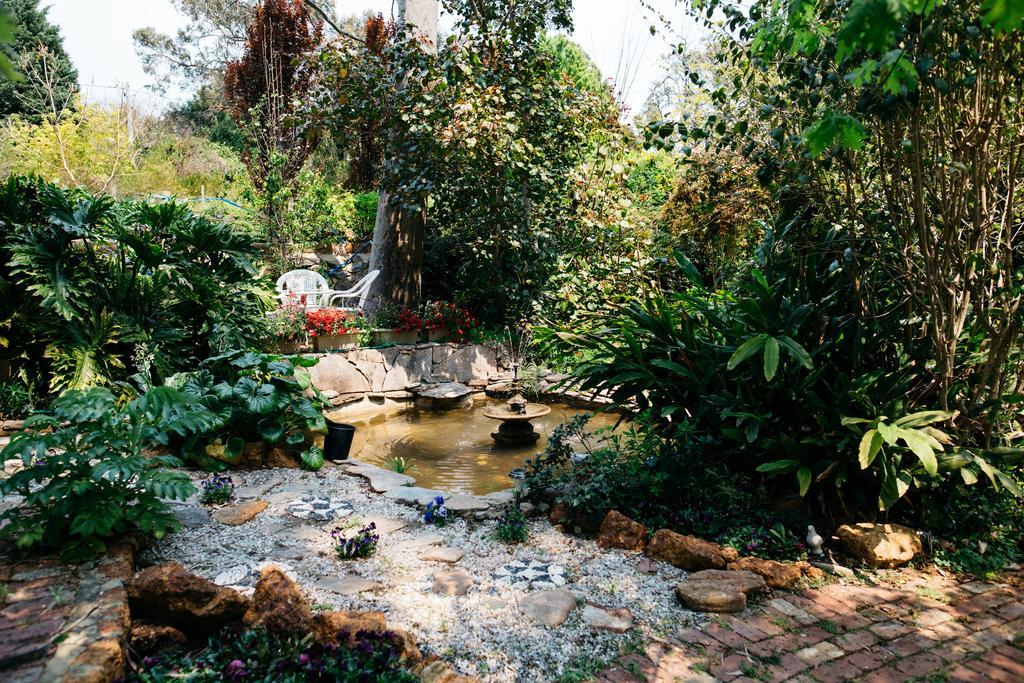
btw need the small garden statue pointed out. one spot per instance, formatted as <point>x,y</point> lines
<point>814,541</point>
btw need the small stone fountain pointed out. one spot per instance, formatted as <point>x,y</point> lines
<point>515,415</point>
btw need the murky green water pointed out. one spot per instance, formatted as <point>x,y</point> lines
<point>452,450</point>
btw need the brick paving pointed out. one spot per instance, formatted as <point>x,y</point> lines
<point>61,623</point>
<point>918,628</point>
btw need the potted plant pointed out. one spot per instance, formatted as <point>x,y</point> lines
<point>445,320</point>
<point>287,327</point>
<point>389,328</point>
<point>334,329</point>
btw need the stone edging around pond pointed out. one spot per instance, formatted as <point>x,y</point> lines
<point>401,488</point>
<point>392,374</point>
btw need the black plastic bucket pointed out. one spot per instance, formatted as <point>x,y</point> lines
<point>339,440</point>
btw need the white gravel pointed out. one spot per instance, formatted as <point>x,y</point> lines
<point>482,633</point>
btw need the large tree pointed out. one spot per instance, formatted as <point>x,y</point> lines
<point>263,89</point>
<point>37,47</point>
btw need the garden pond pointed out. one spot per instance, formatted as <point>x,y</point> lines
<point>453,450</point>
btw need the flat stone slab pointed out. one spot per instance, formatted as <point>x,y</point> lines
<point>319,509</point>
<point>532,574</point>
<point>449,555</point>
<point>236,515</point>
<point>257,490</point>
<point>499,497</point>
<point>191,516</point>
<point>413,494</point>
<point>716,590</point>
<point>446,391</point>
<point>453,582</point>
<point>421,541</point>
<point>550,608</point>
<point>385,525</point>
<point>380,480</point>
<point>462,502</point>
<point>349,584</point>
<point>616,620</point>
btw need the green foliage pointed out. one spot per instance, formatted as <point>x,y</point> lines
<point>7,69</point>
<point>89,473</point>
<point>256,654</point>
<point>511,526</point>
<point>17,400</point>
<point>35,47</point>
<point>256,398</point>
<point>400,465</point>
<point>775,378</point>
<point>98,291</point>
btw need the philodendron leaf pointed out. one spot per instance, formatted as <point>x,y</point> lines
<point>922,449</point>
<point>313,459</point>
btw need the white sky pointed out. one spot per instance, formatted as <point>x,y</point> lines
<point>98,36</point>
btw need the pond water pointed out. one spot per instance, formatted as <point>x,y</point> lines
<point>452,450</point>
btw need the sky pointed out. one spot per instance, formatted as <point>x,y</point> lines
<point>98,36</point>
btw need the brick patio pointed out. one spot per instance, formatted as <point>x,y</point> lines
<point>919,627</point>
<point>61,623</point>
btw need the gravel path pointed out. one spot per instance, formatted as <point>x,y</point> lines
<point>482,632</point>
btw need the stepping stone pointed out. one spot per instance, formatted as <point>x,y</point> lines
<point>191,517</point>
<point>550,608</point>
<point>385,525</point>
<point>232,576</point>
<point>257,490</point>
<point>617,620</point>
<point>319,509</point>
<point>533,574</point>
<point>646,566</point>
<point>237,515</point>
<point>453,582</point>
<point>449,555</point>
<point>421,542</point>
<point>716,590</point>
<point>413,494</point>
<point>305,534</point>
<point>349,584</point>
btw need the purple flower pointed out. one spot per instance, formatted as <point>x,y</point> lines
<point>236,669</point>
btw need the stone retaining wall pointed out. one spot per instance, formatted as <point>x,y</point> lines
<point>390,373</point>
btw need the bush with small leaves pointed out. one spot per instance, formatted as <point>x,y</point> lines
<point>362,545</point>
<point>511,526</point>
<point>217,490</point>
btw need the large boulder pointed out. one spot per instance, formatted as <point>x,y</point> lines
<point>345,628</point>
<point>688,552</point>
<point>242,513</point>
<point>170,594</point>
<point>474,361</point>
<point>335,373</point>
<point>277,605</point>
<point>776,574</point>
<point>619,531</point>
<point>880,545</point>
<point>713,590</point>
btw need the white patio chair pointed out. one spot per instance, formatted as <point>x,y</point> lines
<point>357,294</point>
<point>304,287</point>
<point>310,289</point>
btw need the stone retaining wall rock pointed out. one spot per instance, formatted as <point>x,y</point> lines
<point>390,372</point>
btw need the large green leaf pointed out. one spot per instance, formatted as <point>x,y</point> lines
<point>870,444</point>
<point>746,350</point>
<point>771,358</point>
<point>254,396</point>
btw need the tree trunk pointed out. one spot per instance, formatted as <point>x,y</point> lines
<point>399,232</point>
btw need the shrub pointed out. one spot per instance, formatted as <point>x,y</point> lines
<point>456,320</point>
<point>88,474</point>
<point>511,527</point>
<point>16,400</point>
<point>256,397</point>
<point>363,544</point>
<point>217,490</point>
<point>365,206</point>
<point>255,654</point>
<point>289,323</point>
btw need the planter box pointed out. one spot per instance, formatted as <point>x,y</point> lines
<point>286,347</point>
<point>337,342</point>
<point>381,337</point>
<point>437,335</point>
